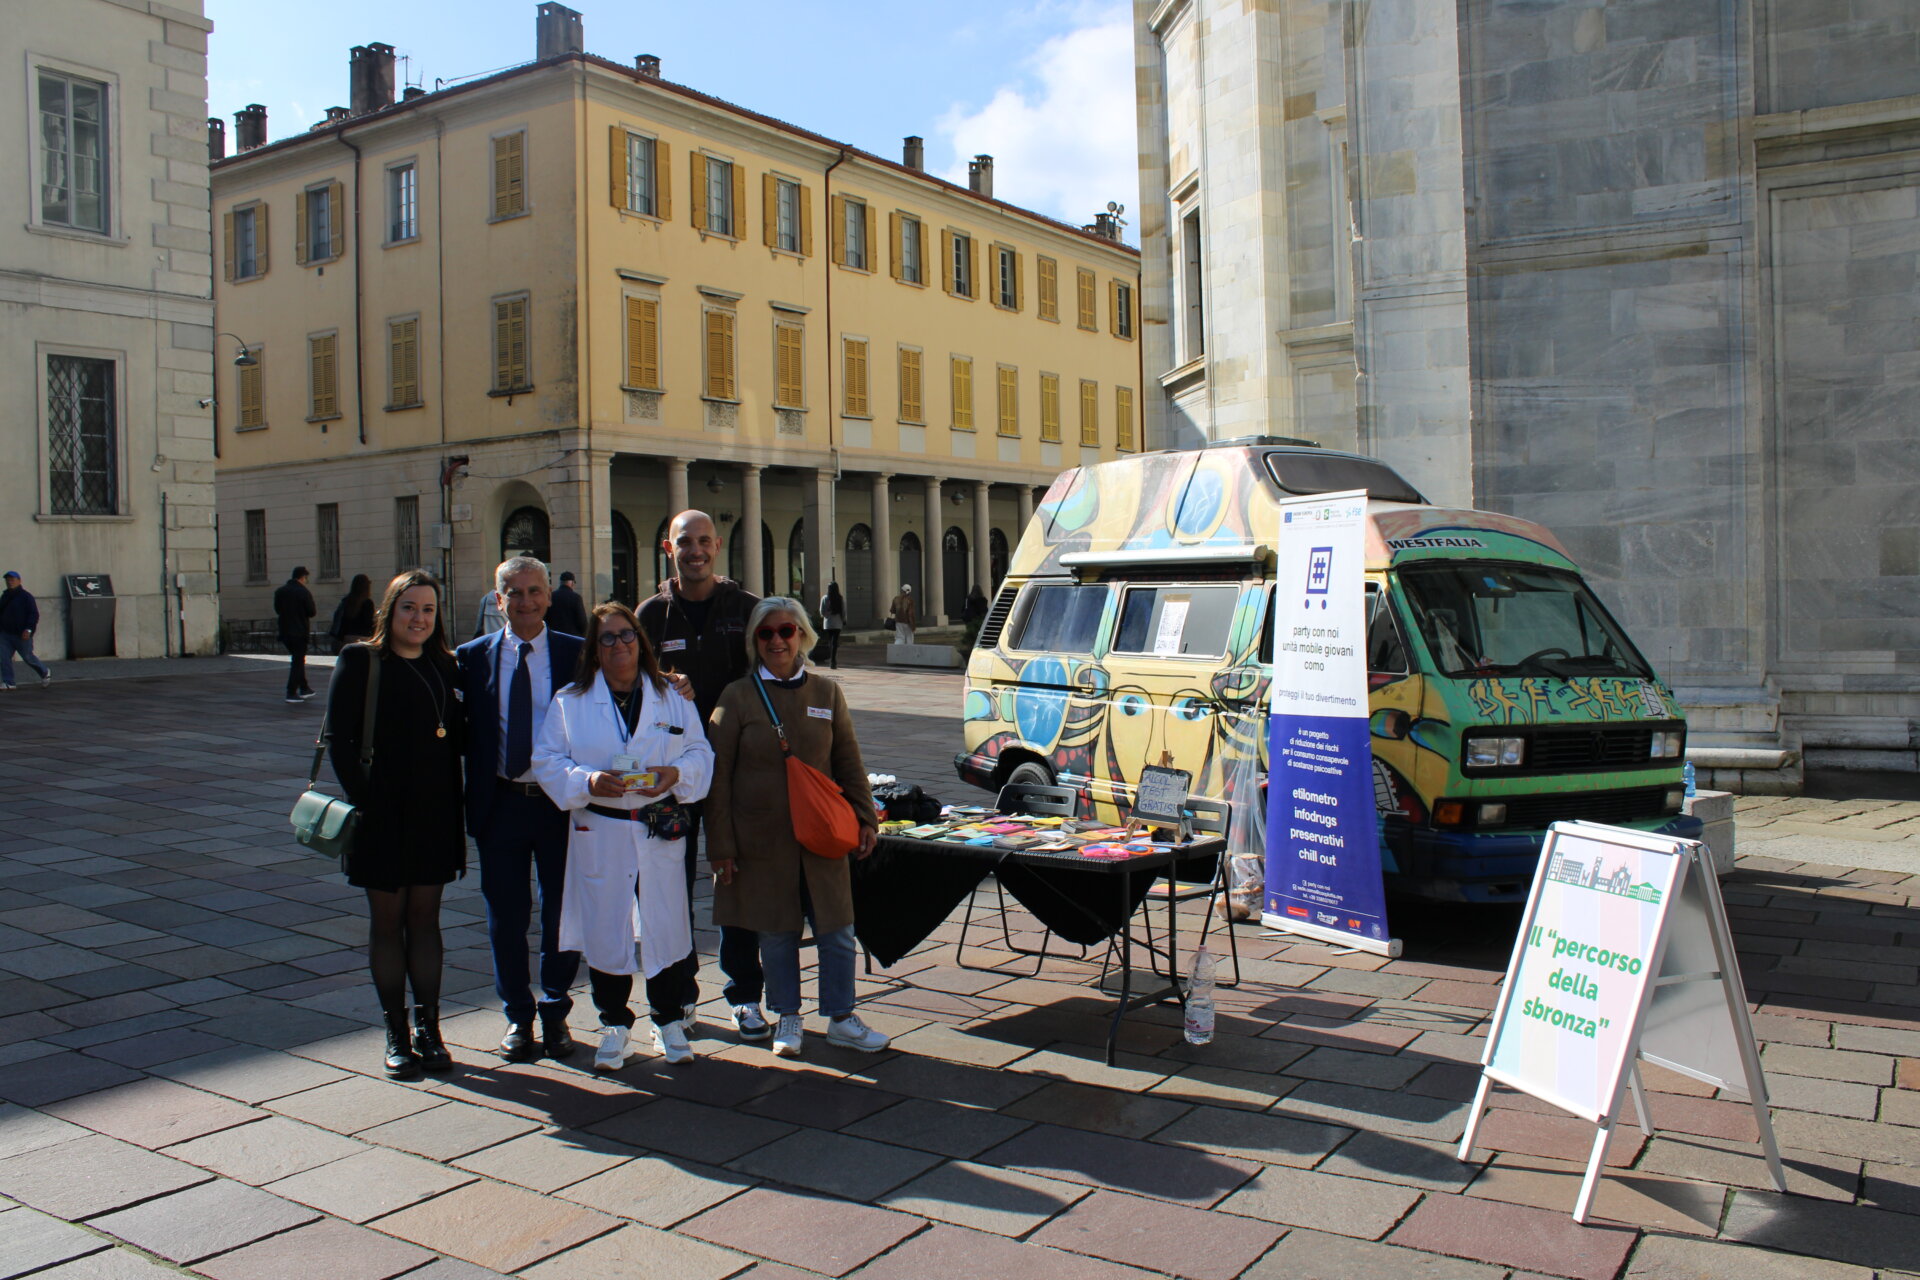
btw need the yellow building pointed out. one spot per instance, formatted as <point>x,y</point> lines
<point>546,309</point>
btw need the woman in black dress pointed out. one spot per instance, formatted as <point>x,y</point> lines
<point>410,842</point>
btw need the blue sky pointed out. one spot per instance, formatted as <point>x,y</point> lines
<point>1046,86</point>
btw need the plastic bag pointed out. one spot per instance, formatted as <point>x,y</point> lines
<point>1246,827</point>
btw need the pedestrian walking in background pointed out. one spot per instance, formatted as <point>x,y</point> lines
<point>19,619</point>
<point>294,609</point>
<point>409,843</point>
<point>620,720</point>
<point>490,619</point>
<point>833,620</point>
<point>764,880</point>
<point>353,616</point>
<point>697,625</point>
<point>902,613</point>
<point>568,612</point>
<point>509,679</point>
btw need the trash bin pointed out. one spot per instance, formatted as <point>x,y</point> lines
<point>90,615</point>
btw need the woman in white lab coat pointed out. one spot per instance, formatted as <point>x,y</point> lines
<point>626,870</point>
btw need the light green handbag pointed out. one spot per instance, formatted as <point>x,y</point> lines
<point>327,824</point>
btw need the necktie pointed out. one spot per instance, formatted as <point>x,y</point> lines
<point>520,717</point>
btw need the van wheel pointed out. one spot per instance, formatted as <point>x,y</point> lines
<point>1030,773</point>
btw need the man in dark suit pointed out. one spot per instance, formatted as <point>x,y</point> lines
<point>507,679</point>
<point>569,611</point>
<point>293,608</point>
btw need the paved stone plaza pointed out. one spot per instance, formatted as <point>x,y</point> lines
<point>191,1074</point>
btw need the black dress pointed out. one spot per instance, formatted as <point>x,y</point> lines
<point>412,817</point>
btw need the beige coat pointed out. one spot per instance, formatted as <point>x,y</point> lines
<point>747,818</point>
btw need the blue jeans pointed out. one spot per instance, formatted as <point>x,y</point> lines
<point>12,643</point>
<point>780,957</point>
<point>526,840</point>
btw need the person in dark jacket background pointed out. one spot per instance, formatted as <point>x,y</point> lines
<point>19,619</point>
<point>566,611</point>
<point>698,628</point>
<point>353,616</point>
<point>293,606</point>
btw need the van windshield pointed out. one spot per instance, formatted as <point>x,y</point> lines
<point>1515,620</point>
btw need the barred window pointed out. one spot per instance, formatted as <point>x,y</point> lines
<point>406,533</point>
<point>82,437</point>
<point>326,520</point>
<point>256,546</point>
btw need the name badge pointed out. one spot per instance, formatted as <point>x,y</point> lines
<point>670,646</point>
<point>820,713</point>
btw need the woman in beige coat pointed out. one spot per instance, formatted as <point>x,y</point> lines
<point>763,879</point>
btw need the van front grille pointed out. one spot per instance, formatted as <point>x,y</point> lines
<point>1630,805</point>
<point>1584,748</point>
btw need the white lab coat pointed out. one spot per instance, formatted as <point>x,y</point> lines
<point>611,860</point>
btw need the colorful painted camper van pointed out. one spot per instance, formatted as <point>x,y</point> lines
<point>1134,628</point>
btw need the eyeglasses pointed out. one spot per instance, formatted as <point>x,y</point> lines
<point>785,631</point>
<point>608,639</point>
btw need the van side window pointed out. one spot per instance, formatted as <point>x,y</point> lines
<point>1061,618</point>
<point>1385,654</point>
<point>1177,621</point>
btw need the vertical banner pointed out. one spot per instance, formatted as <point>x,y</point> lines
<point>1323,840</point>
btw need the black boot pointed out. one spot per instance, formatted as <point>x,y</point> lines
<point>556,1041</point>
<point>427,1044</point>
<point>402,1063</point>
<point>518,1045</point>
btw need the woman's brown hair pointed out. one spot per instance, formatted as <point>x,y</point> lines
<point>590,656</point>
<point>381,641</point>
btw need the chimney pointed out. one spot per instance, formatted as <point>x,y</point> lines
<point>558,30</point>
<point>980,175</point>
<point>647,64</point>
<point>334,116</point>
<point>371,75</point>
<point>249,128</point>
<point>411,92</point>
<point>216,138</point>
<point>915,152</point>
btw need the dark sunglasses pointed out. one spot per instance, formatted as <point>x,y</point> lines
<point>608,639</point>
<point>785,631</point>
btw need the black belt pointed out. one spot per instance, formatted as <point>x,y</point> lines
<point>625,815</point>
<point>518,788</point>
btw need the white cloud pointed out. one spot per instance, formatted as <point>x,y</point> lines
<point>1063,139</point>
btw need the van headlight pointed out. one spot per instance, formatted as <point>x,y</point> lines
<point>1667,744</point>
<point>1496,753</point>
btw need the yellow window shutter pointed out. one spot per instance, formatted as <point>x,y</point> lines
<point>837,219</point>
<point>793,367</point>
<point>410,365</point>
<point>1123,417</point>
<point>1009,402</point>
<point>697,189</point>
<point>1089,413</point>
<point>1019,285</point>
<point>769,210</point>
<point>252,411</point>
<point>946,259</point>
<point>502,346</point>
<point>963,393</point>
<point>872,219</point>
<point>300,228</point>
<point>1050,406</point>
<point>1047,272</point>
<point>1084,298</point>
<point>893,242</point>
<point>643,342</point>
<point>857,399</point>
<point>337,204</point>
<point>662,180</point>
<point>260,239</point>
<point>806,222</point>
<point>1113,307</point>
<point>509,174</point>
<point>910,396</point>
<point>739,202</point>
<point>323,393</point>
<point>973,267</point>
<point>396,355</point>
<point>617,166</point>
<point>226,239</point>
<point>720,359</point>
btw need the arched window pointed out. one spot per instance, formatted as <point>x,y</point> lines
<point>997,560</point>
<point>737,557</point>
<point>956,571</point>
<point>526,532</point>
<point>858,587</point>
<point>910,569</point>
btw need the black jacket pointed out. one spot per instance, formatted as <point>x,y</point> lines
<point>18,613</point>
<point>714,658</point>
<point>293,605</point>
<point>568,612</point>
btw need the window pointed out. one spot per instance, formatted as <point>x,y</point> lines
<point>852,232</point>
<point>912,403</point>
<point>643,343</point>
<point>73,152</point>
<point>83,443</point>
<point>1059,619</point>
<point>251,391</point>
<point>854,353</point>
<point>1120,306</point>
<point>1123,418</point>
<point>962,393</point>
<point>510,175</point>
<point>1006,278</point>
<point>403,203</point>
<point>1385,652</point>
<point>326,528</point>
<point>245,234</point>
<point>718,191</point>
<point>510,373</point>
<point>319,233</point>
<point>957,263</point>
<point>406,533</point>
<point>1515,620</point>
<point>1050,407</point>
<point>637,172</point>
<point>1047,272</point>
<point>256,546</point>
<point>1193,317</point>
<point>403,363</point>
<point>784,210</point>
<point>1083,279</point>
<point>1176,621</point>
<point>323,377</point>
<point>1009,400</point>
<point>790,364</point>
<point>722,380</point>
<point>909,249</point>
<point>1089,413</point>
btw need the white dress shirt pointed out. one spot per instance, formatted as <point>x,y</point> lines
<point>540,670</point>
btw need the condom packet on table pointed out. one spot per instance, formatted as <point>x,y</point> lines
<point>926,831</point>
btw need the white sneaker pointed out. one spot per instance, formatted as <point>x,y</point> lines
<point>786,1036</point>
<point>46,679</point>
<point>750,1022</point>
<point>670,1042</point>
<point>612,1053</point>
<point>690,1017</point>
<point>851,1033</point>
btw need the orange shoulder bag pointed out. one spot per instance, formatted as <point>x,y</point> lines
<point>823,821</point>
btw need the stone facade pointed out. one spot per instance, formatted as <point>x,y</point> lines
<point>1641,271</point>
<point>106,318</point>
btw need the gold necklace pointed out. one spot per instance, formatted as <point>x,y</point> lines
<point>438,697</point>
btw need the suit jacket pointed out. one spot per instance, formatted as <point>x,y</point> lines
<point>479,662</point>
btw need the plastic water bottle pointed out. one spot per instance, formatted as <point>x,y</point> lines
<point>1200,998</point>
<point>1687,773</point>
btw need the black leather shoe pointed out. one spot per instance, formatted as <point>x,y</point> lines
<point>401,1062</point>
<point>556,1041</point>
<point>518,1045</point>
<point>427,1044</point>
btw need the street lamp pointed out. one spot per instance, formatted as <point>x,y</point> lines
<point>243,358</point>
